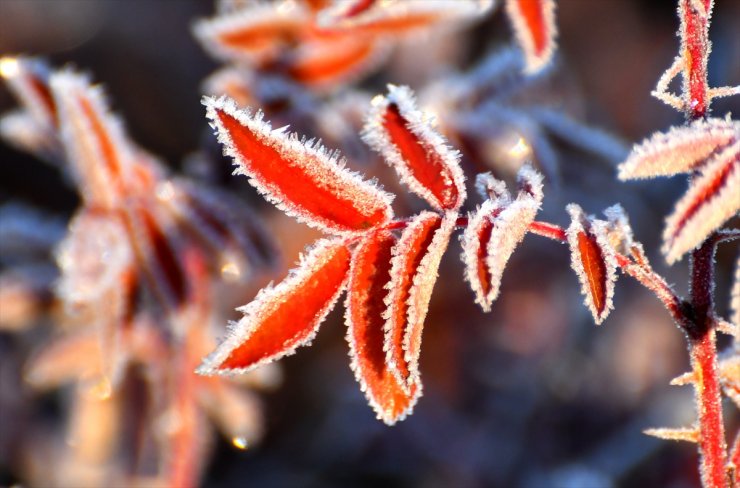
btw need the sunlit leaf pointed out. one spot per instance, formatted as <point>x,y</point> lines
<point>370,275</point>
<point>593,260</point>
<point>711,200</point>
<point>408,140</point>
<point>286,316</point>
<point>300,177</point>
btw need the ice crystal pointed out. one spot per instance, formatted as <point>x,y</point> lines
<point>369,277</point>
<point>495,230</point>
<point>680,150</point>
<point>408,254</point>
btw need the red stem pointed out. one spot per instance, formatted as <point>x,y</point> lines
<point>703,347</point>
<point>694,31</point>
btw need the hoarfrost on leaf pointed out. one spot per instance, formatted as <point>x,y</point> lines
<point>302,178</point>
<point>286,316</point>
<point>593,260</point>
<point>409,142</point>
<point>369,276</point>
<point>711,200</point>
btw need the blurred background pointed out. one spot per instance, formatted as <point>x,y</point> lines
<point>530,395</point>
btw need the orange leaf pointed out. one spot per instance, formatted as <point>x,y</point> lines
<point>301,179</point>
<point>534,26</point>
<point>368,281</point>
<point>323,64</point>
<point>419,154</point>
<point>414,268</point>
<point>282,318</point>
<point>593,260</point>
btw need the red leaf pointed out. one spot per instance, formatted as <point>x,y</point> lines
<point>593,260</point>
<point>323,64</point>
<point>414,267</point>
<point>282,318</point>
<point>534,26</point>
<point>494,232</point>
<point>257,33</point>
<point>419,154</point>
<point>712,199</point>
<point>301,179</point>
<point>93,139</point>
<point>368,282</point>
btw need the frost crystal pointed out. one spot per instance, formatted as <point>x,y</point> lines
<point>368,282</point>
<point>408,140</point>
<point>493,233</point>
<point>711,200</point>
<point>593,260</point>
<point>286,316</point>
<point>534,26</point>
<point>301,178</point>
<point>680,150</point>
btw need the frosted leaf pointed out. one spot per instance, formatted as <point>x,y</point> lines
<point>711,200</point>
<point>493,233</point>
<point>93,139</point>
<point>619,231</point>
<point>420,295</point>
<point>254,34</point>
<point>680,434</point>
<point>20,130</point>
<point>407,139</point>
<point>593,260</point>
<point>326,64</point>
<point>535,30</point>
<point>301,178</point>
<point>369,277</point>
<point>680,150</point>
<point>408,254</point>
<point>398,16</point>
<point>286,316</point>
